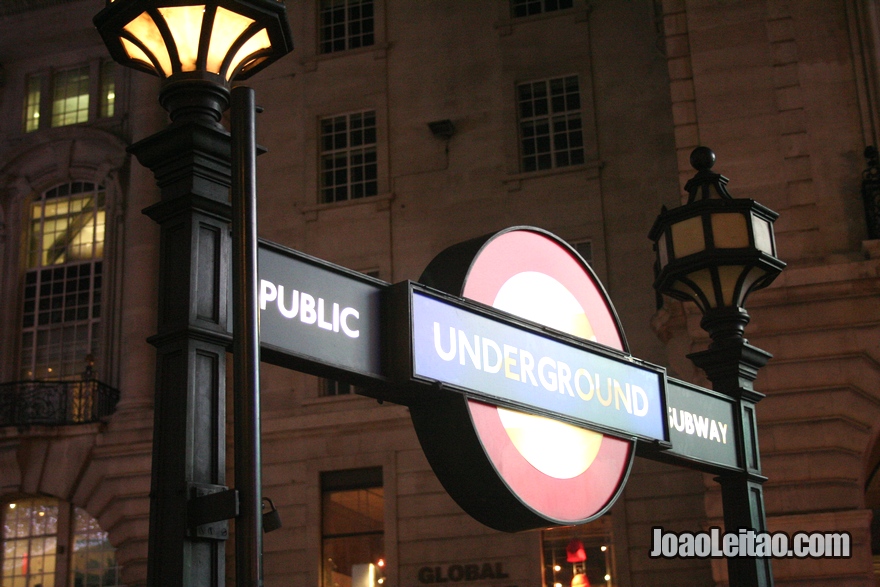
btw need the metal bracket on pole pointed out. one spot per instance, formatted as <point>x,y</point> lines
<point>209,509</point>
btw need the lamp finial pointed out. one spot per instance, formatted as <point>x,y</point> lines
<point>702,159</point>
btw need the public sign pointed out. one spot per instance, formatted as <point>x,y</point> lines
<point>498,360</point>
<point>701,424</point>
<point>318,317</point>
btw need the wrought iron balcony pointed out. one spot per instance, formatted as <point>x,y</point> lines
<point>55,403</point>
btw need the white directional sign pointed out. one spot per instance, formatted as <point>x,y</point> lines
<point>319,317</point>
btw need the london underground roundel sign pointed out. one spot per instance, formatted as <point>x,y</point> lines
<point>511,470</point>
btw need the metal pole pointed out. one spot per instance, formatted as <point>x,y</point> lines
<point>732,366</point>
<point>246,345</point>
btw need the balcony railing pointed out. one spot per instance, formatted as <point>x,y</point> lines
<point>55,403</point>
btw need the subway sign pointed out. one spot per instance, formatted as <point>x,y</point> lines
<point>701,425</point>
<point>507,361</point>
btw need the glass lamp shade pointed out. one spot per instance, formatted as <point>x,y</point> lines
<point>182,38</point>
<point>715,251</point>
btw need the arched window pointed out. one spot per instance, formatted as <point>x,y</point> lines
<point>63,281</point>
<point>35,552</point>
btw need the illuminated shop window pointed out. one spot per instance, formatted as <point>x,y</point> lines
<point>348,157</point>
<point>63,282</point>
<point>550,126</point>
<point>529,7</point>
<point>30,542</point>
<point>346,24</point>
<point>572,554</point>
<point>352,528</point>
<point>34,527</point>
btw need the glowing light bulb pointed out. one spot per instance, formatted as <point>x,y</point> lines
<point>607,577</point>
<point>603,548</point>
<point>557,568</point>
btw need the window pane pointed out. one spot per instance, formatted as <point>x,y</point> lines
<point>348,157</point>
<point>70,97</point>
<point>108,89</point>
<point>352,526</point>
<point>550,141</point>
<point>62,308</point>
<point>559,570</point>
<point>519,8</point>
<point>32,103</point>
<point>345,24</point>
<point>93,560</point>
<point>30,528</point>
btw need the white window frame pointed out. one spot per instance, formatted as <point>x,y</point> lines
<point>551,123</point>
<point>353,34</point>
<point>356,157</point>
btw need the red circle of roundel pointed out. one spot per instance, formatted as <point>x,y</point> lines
<point>590,493</point>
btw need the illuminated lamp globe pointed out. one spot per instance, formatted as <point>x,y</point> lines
<point>715,250</point>
<point>197,47</point>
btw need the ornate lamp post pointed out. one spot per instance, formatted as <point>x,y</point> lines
<point>198,47</point>
<point>715,250</point>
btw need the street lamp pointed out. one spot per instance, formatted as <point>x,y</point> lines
<point>714,251</point>
<point>198,48</point>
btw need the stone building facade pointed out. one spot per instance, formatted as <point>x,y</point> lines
<point>785,92</point>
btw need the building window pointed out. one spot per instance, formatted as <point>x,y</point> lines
<point>93,562</point>
<point>31,531</point>
<point>348,157</point>
<point>346,24</point>
<point>69,96</point>
<point>108,90</point>
<point>568,557</point>
<point>551,133</point>
<point>352,527</point>
<point>32,103</point>
<point>529,7</point>
<point>63,282</point>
